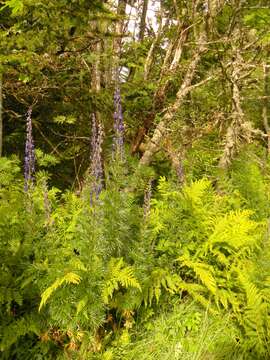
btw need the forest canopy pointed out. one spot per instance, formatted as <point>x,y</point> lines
<point>134,179</point>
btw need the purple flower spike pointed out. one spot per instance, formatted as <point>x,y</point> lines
<point>119,128</point>
<point>29,160</point>
<point>96,159</point>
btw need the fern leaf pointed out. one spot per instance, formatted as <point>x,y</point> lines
<point>203,271</point>
<point>119,274</point>
<point>196,190</point>
<point>69,278</point>
<point>81,304</point>
<point>234,230</point>
<point>253,295</point>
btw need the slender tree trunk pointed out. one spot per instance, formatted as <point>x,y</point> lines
<point>175,52</point>
<point>233,131</point>
<point>121,12</point>
<point>150,56</point>
<point>173,66</point>
<point>143,20</point>
<point>96,83</point>
<point>154,143</point>
<point>240,129</point>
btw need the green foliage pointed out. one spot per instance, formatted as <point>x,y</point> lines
<point>247,177</point>
<point>22,225</point>
<point>15,5</point>
<point>119,275</point>
<point>83,278</point>
<point>45,160</point>
<point>181,273</point>
<point>210,246</point>
<point>69,278</point>
<point>183,332</point>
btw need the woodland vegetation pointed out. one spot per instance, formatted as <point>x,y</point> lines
<point>134,179</point>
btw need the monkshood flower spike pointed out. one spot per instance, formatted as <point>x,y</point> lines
<point>118,144</point>
<point>96,160</point>
<point>29,159</point>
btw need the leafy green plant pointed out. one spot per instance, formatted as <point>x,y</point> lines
<point>210,246</point>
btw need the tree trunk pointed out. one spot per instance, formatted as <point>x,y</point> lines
<point>159,96</point>
<point>159,133</point>
<point>143,20</point>
<point>117,45</point>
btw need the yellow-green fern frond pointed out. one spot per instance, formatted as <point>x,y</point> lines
<point>119,275</point>
<point>196,190</point>
<point>69,278</point>
<point>203,271</point>
<point>253,295</point>
<point>227,298</point>
<point>234,231</point>
<point>161,278</point>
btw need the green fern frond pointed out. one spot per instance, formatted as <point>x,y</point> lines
<point>203,271</point>
<point>17,329</point>
<point>8,170</point>
<point>234,230</point>
<point>198,293</point>
<point>119,275</point>
<point>81,305</point>
<point>161,279</point>
<point>69,278</point>
<point>196,190</point>
<point>254,298</point>
<point>227,298</point>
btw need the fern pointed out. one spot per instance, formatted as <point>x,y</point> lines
<point>160,279</point>
<point>19,328</point>
<point>196,192</point>
<point>212,265</point>
<point>119,274</point>
<point>69,278</point>
<point>196,244</point>
<point>247,177</point>
<point>203,271</point>
<point>234,231</point>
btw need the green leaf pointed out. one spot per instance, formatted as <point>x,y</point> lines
<point>16,6</point>
<point>69,278</point>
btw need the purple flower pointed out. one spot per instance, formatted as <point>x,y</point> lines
<point>96,159</point>
<point>29,159</point>
<point>119,128</point>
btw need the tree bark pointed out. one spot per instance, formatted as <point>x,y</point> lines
<point>159,95</point>
<point>234,130</point>
<point>143,20</point>
<point>150,56</point>
<point>160,131</point>
<point>121,12</point>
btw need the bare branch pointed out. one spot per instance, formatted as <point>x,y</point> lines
<point>153,143</point>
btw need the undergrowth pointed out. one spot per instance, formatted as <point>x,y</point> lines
<point>186,279</point>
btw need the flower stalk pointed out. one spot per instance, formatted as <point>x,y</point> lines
<point>96,160</point>
<point>118,144</point>
<point>147,199</point>
<point>29,159</point>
